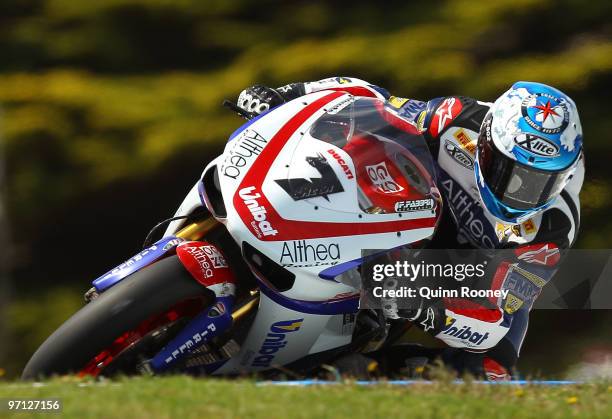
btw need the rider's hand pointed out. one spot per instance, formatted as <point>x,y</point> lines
<point>258,99</point>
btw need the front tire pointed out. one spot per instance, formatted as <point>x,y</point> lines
<point>148,292</point>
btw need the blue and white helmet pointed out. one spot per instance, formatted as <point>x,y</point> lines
<point>529,146</point>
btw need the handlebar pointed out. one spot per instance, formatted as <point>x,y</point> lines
<point>233,107</point>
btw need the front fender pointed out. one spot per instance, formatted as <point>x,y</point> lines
<point>144,258</point>
<point>207,265</point>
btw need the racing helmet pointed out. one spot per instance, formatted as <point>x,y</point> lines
<point>529,146</point>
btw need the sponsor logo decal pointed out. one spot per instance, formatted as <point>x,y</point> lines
<point>172,243</point>
<point>428,323</point>
<point>464,333</point>
<point>545,113</point>
<point>466,142</point>
<point>216,258</point>
<point>537,145</point>
<point>244,149</point>
<point>518,284</point>
<point>415,205</point>
<point>345,167</point>
<point>512,303</point>
<point>216,310</point>
<point>340,105</point>
<point>458,155</point>
<point>260,224</point>
<point>421,121</point>
<point>547,254</point>
<point>445,113</point>
<point>535,279</point>
<point>134,259</point>
<point>207,258</point>
<point>327,184</point>
<point>208,266</point>
<point>507,230</point>
<point>468,215</point>
<point>275,340</point>
<point>195,340</point>
<point>304,253</point>
<point>529,226</point>
<point>380,177</point>
<point>397,102</point>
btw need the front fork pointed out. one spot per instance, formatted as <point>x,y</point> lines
<point>201,329</point>
<point>207,264</point>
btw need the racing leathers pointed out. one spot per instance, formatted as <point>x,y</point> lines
<point>484,335</point>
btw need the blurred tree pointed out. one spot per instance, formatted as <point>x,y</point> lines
<point>112,107</point>
<point>5,252</point>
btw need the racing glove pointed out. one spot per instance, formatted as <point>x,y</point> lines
<point>258,99</point>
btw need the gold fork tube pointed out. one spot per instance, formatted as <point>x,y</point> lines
<point>196,231</point>
<point>246,308</point>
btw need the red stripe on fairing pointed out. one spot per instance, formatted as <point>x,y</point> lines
<point>357,91</point>
<point>295,229</point>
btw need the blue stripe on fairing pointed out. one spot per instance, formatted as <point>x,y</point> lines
<point>248,123</point>
<point>349,305</point>
<point>243,127</point>
<point>304,383</point>
<point>333,271</point>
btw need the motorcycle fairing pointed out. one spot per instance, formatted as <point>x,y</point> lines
<point>268,345</point>
<point>304,236</point>
<point>207,265</point>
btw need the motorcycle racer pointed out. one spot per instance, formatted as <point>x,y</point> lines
<point>510,173</point>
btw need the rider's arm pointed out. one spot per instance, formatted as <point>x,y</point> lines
<point>351,85</point>
<point>258,99</point>
<point>409,109</point>
<point>522,271</point>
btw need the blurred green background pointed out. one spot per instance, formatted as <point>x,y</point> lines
<point>109,111</point>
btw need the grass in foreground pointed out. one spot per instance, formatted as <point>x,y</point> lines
<point>184,397</point>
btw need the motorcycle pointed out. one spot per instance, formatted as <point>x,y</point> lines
<point>259,269</point>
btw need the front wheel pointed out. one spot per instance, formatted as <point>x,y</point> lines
<point>98,326</point>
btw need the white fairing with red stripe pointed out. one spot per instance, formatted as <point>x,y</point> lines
<point>303,234</point>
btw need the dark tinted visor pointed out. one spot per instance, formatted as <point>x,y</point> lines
<point>514,184</point>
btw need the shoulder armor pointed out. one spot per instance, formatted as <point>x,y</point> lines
<point>459,111</point>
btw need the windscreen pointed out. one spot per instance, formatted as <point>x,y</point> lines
<point>393,165</point>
